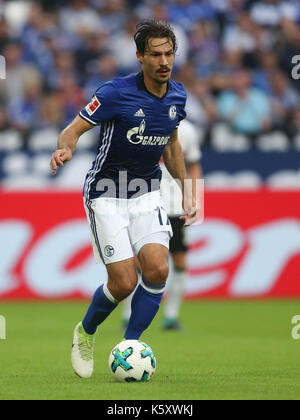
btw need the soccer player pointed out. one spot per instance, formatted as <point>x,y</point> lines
<point>138,116</point>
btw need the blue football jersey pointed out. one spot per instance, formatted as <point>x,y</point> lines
<point>135,127</point>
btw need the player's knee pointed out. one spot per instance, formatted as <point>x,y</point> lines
<point>157,272</point>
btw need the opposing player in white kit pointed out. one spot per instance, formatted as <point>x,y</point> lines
<point>189,137</point>
<point>138,117</point>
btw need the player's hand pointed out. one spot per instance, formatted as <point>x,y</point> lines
<point>191,216</point>
<point>59,157</point>
<point>191,208</point>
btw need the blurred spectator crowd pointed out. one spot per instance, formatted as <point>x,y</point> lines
<point>235,58</point>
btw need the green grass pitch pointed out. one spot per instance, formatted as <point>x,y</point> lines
<point>228,350</point>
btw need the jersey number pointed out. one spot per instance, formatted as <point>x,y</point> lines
<point>160,219</point>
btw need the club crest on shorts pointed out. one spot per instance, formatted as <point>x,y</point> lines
<point>172,112</point>
<point>109,251</point>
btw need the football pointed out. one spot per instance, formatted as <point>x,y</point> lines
<point>132,361</point>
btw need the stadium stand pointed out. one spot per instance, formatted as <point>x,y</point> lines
<point>237,58</point>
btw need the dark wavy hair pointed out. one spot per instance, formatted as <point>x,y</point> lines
<point>152,28</point>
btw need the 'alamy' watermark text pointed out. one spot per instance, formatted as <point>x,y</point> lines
<point>2,328</point>
<point>2,67</point>
<point>296,68</point>
<point>177,198</point>
<point>296,328</point>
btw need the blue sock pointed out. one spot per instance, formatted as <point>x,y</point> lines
<point>103,303</point>
<point>144,306</point>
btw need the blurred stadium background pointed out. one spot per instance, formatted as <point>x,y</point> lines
<point>238,60</point>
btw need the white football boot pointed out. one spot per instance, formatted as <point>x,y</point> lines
<point>82,356</point>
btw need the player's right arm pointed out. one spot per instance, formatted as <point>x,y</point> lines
<point>67,142</point>
<point>104,106</point>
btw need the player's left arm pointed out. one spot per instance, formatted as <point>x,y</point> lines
<point>174,162</point>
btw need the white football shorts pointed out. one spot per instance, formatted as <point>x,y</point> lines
<point>120,227</point>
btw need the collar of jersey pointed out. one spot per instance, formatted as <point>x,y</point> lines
<point>141,85</point>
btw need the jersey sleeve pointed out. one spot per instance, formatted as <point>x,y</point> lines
<point>103,105</point>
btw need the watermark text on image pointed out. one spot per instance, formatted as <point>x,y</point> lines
<point>174,199</point>
<point>2,67</point>
<point>296,329</point>
<point>154,409</point>
<point>296,68</point>
<point>2,327</point>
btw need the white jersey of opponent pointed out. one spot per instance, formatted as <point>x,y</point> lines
<point>189,138</point>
